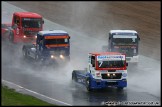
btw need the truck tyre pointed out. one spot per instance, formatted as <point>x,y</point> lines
<point>24,53</point>
<point>88,84</point>
<point>36,57</point>
<point>74,77</point>
<point>120,88</point>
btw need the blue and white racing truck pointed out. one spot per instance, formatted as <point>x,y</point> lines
<point>105,69</point>
<point>50,46</point>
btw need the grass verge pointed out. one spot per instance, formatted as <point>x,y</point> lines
<point>12,98</point>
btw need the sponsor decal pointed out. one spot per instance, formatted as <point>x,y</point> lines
<point>111,57</point>
<point>125,36</point>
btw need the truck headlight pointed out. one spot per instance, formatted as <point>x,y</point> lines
<point>52,56</point>
<point>61,56</point>
<point>24,36</point>
<point>108,74</point>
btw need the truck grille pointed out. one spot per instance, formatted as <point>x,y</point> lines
<point>111,70</point>
<point>111,83</point>
<point>30,33</point>
<point>58,52</point>
<point>117,76</point>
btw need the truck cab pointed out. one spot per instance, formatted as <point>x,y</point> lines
<point>25,26</point>
<point>105,69</point>
<point>125,41</point>
<point>51,45</point>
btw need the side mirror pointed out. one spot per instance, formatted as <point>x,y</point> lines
<point>42,21</point>
<point>138,37</point>
<point>93,65</point>
<point>126,64</point>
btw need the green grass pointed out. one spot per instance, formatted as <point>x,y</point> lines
<point>12,98</point>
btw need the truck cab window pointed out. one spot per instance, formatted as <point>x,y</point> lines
<point>18,22</point>
<point>14,19</point>
<point>93,61</point>
<point>110,36</point>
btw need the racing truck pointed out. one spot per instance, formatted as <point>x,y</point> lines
<point>105,69</point>
<point>51,45</point>
<point>24,27</point>
<point>125,41</point>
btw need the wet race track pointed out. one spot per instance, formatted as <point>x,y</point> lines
<point>88,24</point>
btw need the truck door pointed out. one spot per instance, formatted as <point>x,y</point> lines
<point>16,25</point>
<point>92,65</point>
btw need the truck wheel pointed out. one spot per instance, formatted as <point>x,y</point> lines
<point>88,84</point>
<point>120,88</point>
<point>36,57</point>
<point>74,76</point>
<point>24,53</point>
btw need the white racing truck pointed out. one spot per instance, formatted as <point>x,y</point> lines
<point>124,41</point>
<point>105,69</point>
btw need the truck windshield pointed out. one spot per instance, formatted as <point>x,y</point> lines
<point>111,64</point>
<point>56,41</point>
<point>124,40</point>
<point>31,22</point>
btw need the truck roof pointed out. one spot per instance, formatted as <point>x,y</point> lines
<point>106,53</point>
<point>52,32</point>
<point>28,14</point>
<point>122,31</point>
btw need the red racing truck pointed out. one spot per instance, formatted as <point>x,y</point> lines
<point>24,27</point>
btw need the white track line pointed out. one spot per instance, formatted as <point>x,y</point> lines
<point>36,93</point>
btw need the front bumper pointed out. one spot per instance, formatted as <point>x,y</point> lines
<point>98,84</point>
<point>54,59</point>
